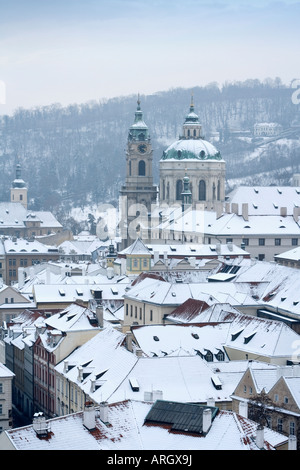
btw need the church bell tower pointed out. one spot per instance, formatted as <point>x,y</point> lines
<point>139,193</point>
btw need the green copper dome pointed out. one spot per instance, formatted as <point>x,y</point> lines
<point>195,149</point>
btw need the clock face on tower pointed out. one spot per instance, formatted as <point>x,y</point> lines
<point>142,148</point>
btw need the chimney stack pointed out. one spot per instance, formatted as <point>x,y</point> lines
<point>99,315</point>
<point>283,211</point>
<point>104,412</point>
<point>245,211</point>
<point>89,416</point>
<point>292,443</point>
<point>80,374</point>
<point>243,409</point>
<point>129,340</point>
<point>206,420</point>
<point>260,440</point>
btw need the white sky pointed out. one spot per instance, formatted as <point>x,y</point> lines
<point>71,51</point>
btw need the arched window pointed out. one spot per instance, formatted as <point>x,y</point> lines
<point>129,167</point>
<point>219,191</point>
<point>202,191</point>
<point>164,190</point>
<point>214,191</point>
<point>142,168</point>
<point>179,188</point>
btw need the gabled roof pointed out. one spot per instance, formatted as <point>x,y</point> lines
<point>126,430</point>
<point>137,248</point>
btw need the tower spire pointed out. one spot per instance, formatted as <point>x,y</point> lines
<point>192,103</point>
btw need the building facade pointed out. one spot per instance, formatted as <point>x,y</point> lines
<point>193,157</point>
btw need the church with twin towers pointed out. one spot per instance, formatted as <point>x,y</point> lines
<point>191,173</point>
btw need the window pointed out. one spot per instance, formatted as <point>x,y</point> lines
<point>140,313</point>
<point>135,312</point>
<point>245,388</point>
<point>151,315</point>
<point>294,241</point>
<point>202,191</point>
<point>285,400</point>
<point>250,390</point>
<point>245,241</point>
<point>261,257</point>
<point>228,240</point>
<point>276,397</point>
<point>127,310</point>
<point>209,357</point>
<point>142,168</point>
<point>279,424</point>
<point>292,428</point>
<point>277,241</point>
<point>131,310</point>
<point>220,356</point>
<point>261,242</point>
<point>1,387</point>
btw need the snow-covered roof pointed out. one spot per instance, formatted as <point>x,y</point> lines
<point>185,149</point>
<point>126,430</point>
<point>14,214</point>
<point>5,372</point>
<point>165,293</point>
<point>290,255</point>
<point>73,318</point>
<point>103,359</point>
<point>21,245</point>
<point>136,248</point>
<point>266,200</point>
<point>166,340</point>
<point>68,293</point>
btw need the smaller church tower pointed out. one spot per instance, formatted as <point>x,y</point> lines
<point>186,194</point>
<point>139,193</point>
<point>18,191</point>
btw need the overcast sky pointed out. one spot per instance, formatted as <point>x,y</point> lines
<point>73,51</point>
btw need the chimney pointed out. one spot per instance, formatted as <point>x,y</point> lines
<point>48,281</point>
<point>89,416</point>
<point>21,278</point>
<point>296,213</point>
<point>245,211</point>
<point>227,207</point>
<point>219,210</point>
<point>165,255</point>
<point>157,395</point>
<point>129,340</point>
<point>80,374</point>
<point>260,440</point>
<point>156,257</point>
<point>211,402</point>
<point>66,366</point>
<point>235,208</point>
<point>104,412</point>
<point>93,385</point>
<point>138,352</point>
<point>99,315</point>
<point>39,424</point>
<point>292,445</point>
<point>243,409</point>
<point>206,420</point>
<point>283,211</point>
